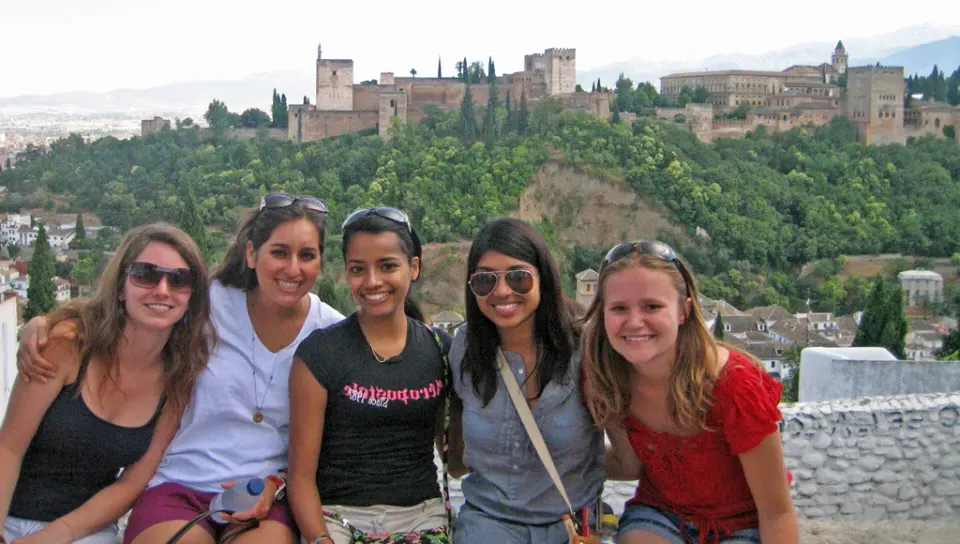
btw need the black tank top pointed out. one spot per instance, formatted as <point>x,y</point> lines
<point>73,455</point>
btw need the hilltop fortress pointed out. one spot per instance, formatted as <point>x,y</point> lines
<point>342,106</point>
<point>873,101</point>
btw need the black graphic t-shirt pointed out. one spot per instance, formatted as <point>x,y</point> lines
<point>381,418</point>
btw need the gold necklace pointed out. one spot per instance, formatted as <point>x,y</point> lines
<point>376,355</point>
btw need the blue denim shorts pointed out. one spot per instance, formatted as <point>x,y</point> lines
<point>666,525</point>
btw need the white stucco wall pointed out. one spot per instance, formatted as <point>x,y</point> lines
<point>845,373</point>
<point>8,350</point>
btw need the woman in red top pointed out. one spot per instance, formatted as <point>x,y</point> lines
<point>694,421</point>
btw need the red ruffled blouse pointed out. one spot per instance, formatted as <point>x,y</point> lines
<point>699,477</point>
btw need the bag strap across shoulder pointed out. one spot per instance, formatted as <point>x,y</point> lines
<point>523,410</point>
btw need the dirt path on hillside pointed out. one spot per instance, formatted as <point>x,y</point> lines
<point>878,532</point>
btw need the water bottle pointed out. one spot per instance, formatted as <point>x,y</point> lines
<point>239,497</point>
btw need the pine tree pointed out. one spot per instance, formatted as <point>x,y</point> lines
<point>80,232</point>
<point>439,68</point>
<point>42,292</point>
<point>718,327</point>
<point>468,119</point>
<point>191,223</point>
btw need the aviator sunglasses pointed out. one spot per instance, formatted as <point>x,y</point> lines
<point>483,283</point>
<point>283,200</point>
<point>148,276</point>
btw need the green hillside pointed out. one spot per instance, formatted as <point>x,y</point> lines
<point>766,204</point>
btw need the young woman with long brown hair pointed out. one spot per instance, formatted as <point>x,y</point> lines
<point>126,361</point>
<point>695,421</point>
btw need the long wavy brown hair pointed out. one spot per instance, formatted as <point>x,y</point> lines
<point>607,373</point>
<point>100,320</point>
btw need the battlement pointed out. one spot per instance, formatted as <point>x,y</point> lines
<point>336,62</point>
<point>560,51</point>
<point>884,70</point>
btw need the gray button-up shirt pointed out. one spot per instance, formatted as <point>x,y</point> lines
<point>507,480</point>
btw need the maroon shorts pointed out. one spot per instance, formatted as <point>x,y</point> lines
<point>171,502</point>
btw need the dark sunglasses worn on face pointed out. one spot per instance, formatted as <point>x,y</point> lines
<point>148,276</point>
<point>650,248</point>
<point>283,200</point>
<point>483,283</point>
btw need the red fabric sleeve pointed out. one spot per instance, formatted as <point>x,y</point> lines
<point>746,398</point>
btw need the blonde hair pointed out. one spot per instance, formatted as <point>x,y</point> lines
<point>100,320</point>
<point>607,373</point>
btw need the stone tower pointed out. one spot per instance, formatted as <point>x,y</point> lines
<point>839,58</point>
<point>334,83</point>
<point>561,70</point>
<point>874,103</point>
<point>587,286</point>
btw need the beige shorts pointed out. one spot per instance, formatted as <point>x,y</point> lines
<point>386,519</point>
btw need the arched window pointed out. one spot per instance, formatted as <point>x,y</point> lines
<point>936,123</point>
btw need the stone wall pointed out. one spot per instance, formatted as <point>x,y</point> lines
<point>307,124</point>
<point>877,458</point>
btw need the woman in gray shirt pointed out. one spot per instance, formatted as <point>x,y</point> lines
<point>515,303</point>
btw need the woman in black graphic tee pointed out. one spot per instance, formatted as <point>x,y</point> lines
<point>366,395</point>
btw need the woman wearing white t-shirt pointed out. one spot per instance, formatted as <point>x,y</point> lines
<point>236,425</point>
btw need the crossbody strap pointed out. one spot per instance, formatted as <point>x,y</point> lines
<point>520,402</point>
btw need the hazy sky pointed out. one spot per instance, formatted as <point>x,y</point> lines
<point>98,45</point>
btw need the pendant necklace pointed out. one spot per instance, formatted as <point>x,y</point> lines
<point>258,400</point>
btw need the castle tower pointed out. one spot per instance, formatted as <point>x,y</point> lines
<point>839,58</point>
<point>874,103</point>
<point>561,70</point>
<point>334,83</point>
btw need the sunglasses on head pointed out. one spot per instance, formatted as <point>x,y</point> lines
<point>650,248</point>
<point>483,283</point>
<point>391,214</point>
<point>283,200</point>
<point>148,276</point>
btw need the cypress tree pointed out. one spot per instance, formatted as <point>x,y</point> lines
<point>191,223</point>
<point>523,117</point>
<point>283,111</point>
<point>510,115</point>
<point>599,88</point>
<point>80,232</point>
<point>42,292</point>
<point>615,113</point>
<point>871,322</point>
<point>493,102</point>
<point>439,68</point>
<point>883,323</point>
<point>718,327</point>
<point>593,87</point>
<point>466,70</point>
<point>468,119</point>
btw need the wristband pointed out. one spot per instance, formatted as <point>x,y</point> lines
<point>281,486</point>
<point>320,539</point>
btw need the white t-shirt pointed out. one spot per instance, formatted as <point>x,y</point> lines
<point>218,439</point>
